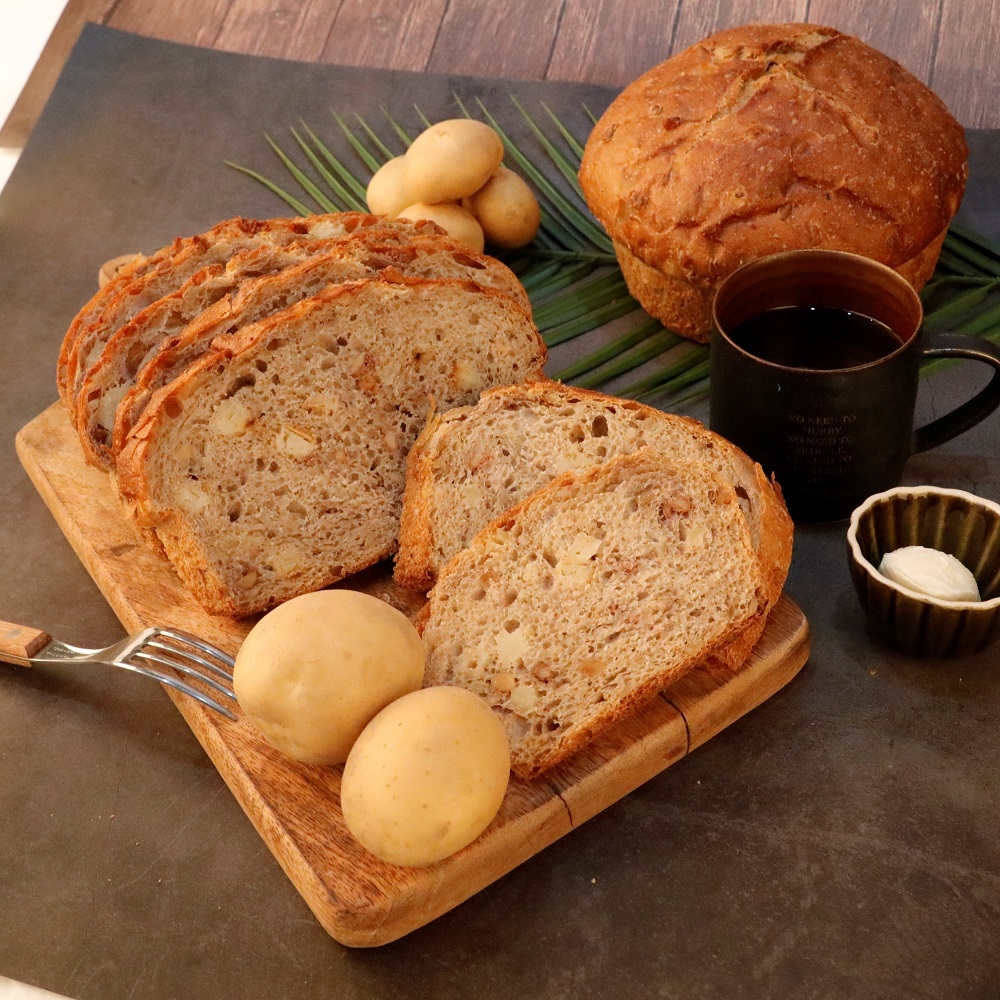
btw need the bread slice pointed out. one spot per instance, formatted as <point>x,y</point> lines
<point>166,270</point>
<point>128,272</point>
<point>130,347</point>
<point>274,465</point>
<point>582,601</point>
<point>472,463</point>
<point>361,255</point>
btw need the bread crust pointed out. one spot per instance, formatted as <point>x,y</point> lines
<point>67,359</point>
<point>773,532</point>
<point>680,304</point>
<point>199,572</point>
<point>686,307</point>
<point>110,372</point>
<point>412,566</point>
<point>142,354</point>
<point>766,138</point>
<point>72,350</point>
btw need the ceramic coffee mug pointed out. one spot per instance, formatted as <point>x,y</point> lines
<point>814,371</point>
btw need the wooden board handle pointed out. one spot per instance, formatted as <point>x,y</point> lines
<point>18,643</point>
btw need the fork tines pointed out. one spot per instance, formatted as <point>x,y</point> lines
<point>190,656</point>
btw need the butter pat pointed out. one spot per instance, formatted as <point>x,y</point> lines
<point>930,572</point>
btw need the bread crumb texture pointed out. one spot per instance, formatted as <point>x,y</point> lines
<point>473,463</point>
<point>584,600</point>
<point>146,281</point>
<point>249,279</point>
<point>274,465</point>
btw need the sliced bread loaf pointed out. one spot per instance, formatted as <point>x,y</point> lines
<point>582,601</point>
<point>274,465</point>
<point>131,346</point>
<point>363,254</point>
<point>166,270</point>
<point>125,274</point>
<point>472,463</point>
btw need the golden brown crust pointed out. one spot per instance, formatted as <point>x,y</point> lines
<point>412,568</point>
<point>66,363</point>
<point>678,303</point>
<point>774,524</point>
<point>128,281</point>
<point>129,464</point>
<point>361,254</point>
<point>686,307</point>
<point>769,137</point>
<point>246,338</point>
<point>198,572</point>
<point>102,313</point>
<point>918,269</point>
<point>737,651</point>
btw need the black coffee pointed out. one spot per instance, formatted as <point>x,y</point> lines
<point>816,337</point>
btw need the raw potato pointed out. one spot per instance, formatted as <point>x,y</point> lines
<point>110,268</point>
<point>507,209</point>
<point>386,194</point>
<point>426,776</point>
<point>451,159</point>
<point>453,219</point>
<point>315,670</point>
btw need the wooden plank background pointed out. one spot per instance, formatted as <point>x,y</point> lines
<point>952,45</point>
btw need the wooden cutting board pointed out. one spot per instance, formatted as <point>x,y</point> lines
<point>296,807</point>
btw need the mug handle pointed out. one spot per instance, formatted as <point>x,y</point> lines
<point>957,345</point>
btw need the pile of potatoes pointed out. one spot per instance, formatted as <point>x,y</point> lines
<point>453,175</point>
<point>334,678</point>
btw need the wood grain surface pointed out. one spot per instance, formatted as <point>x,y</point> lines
<point>949,44</point>
<point>359,900</point>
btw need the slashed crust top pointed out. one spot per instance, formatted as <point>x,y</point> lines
<point>766,137</point>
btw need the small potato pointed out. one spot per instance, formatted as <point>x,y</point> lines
<point>451,159</point>
<point>110,268</point>
<point>313,672</point>
<point>386,194</point>
<point>426,776</point>
<point>507,209</point>
<point>453,219</point>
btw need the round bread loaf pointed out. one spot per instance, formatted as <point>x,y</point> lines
<point>765,138</point>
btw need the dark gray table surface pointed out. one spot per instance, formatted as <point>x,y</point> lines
<point>843,840</point>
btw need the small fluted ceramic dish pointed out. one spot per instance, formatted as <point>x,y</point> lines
<point>967,527</point>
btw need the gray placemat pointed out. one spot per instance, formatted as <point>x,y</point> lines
<point>840,841</point>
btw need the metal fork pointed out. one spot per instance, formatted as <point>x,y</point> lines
<point>142,653</point>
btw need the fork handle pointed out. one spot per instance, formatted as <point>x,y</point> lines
<point>18,643</point>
